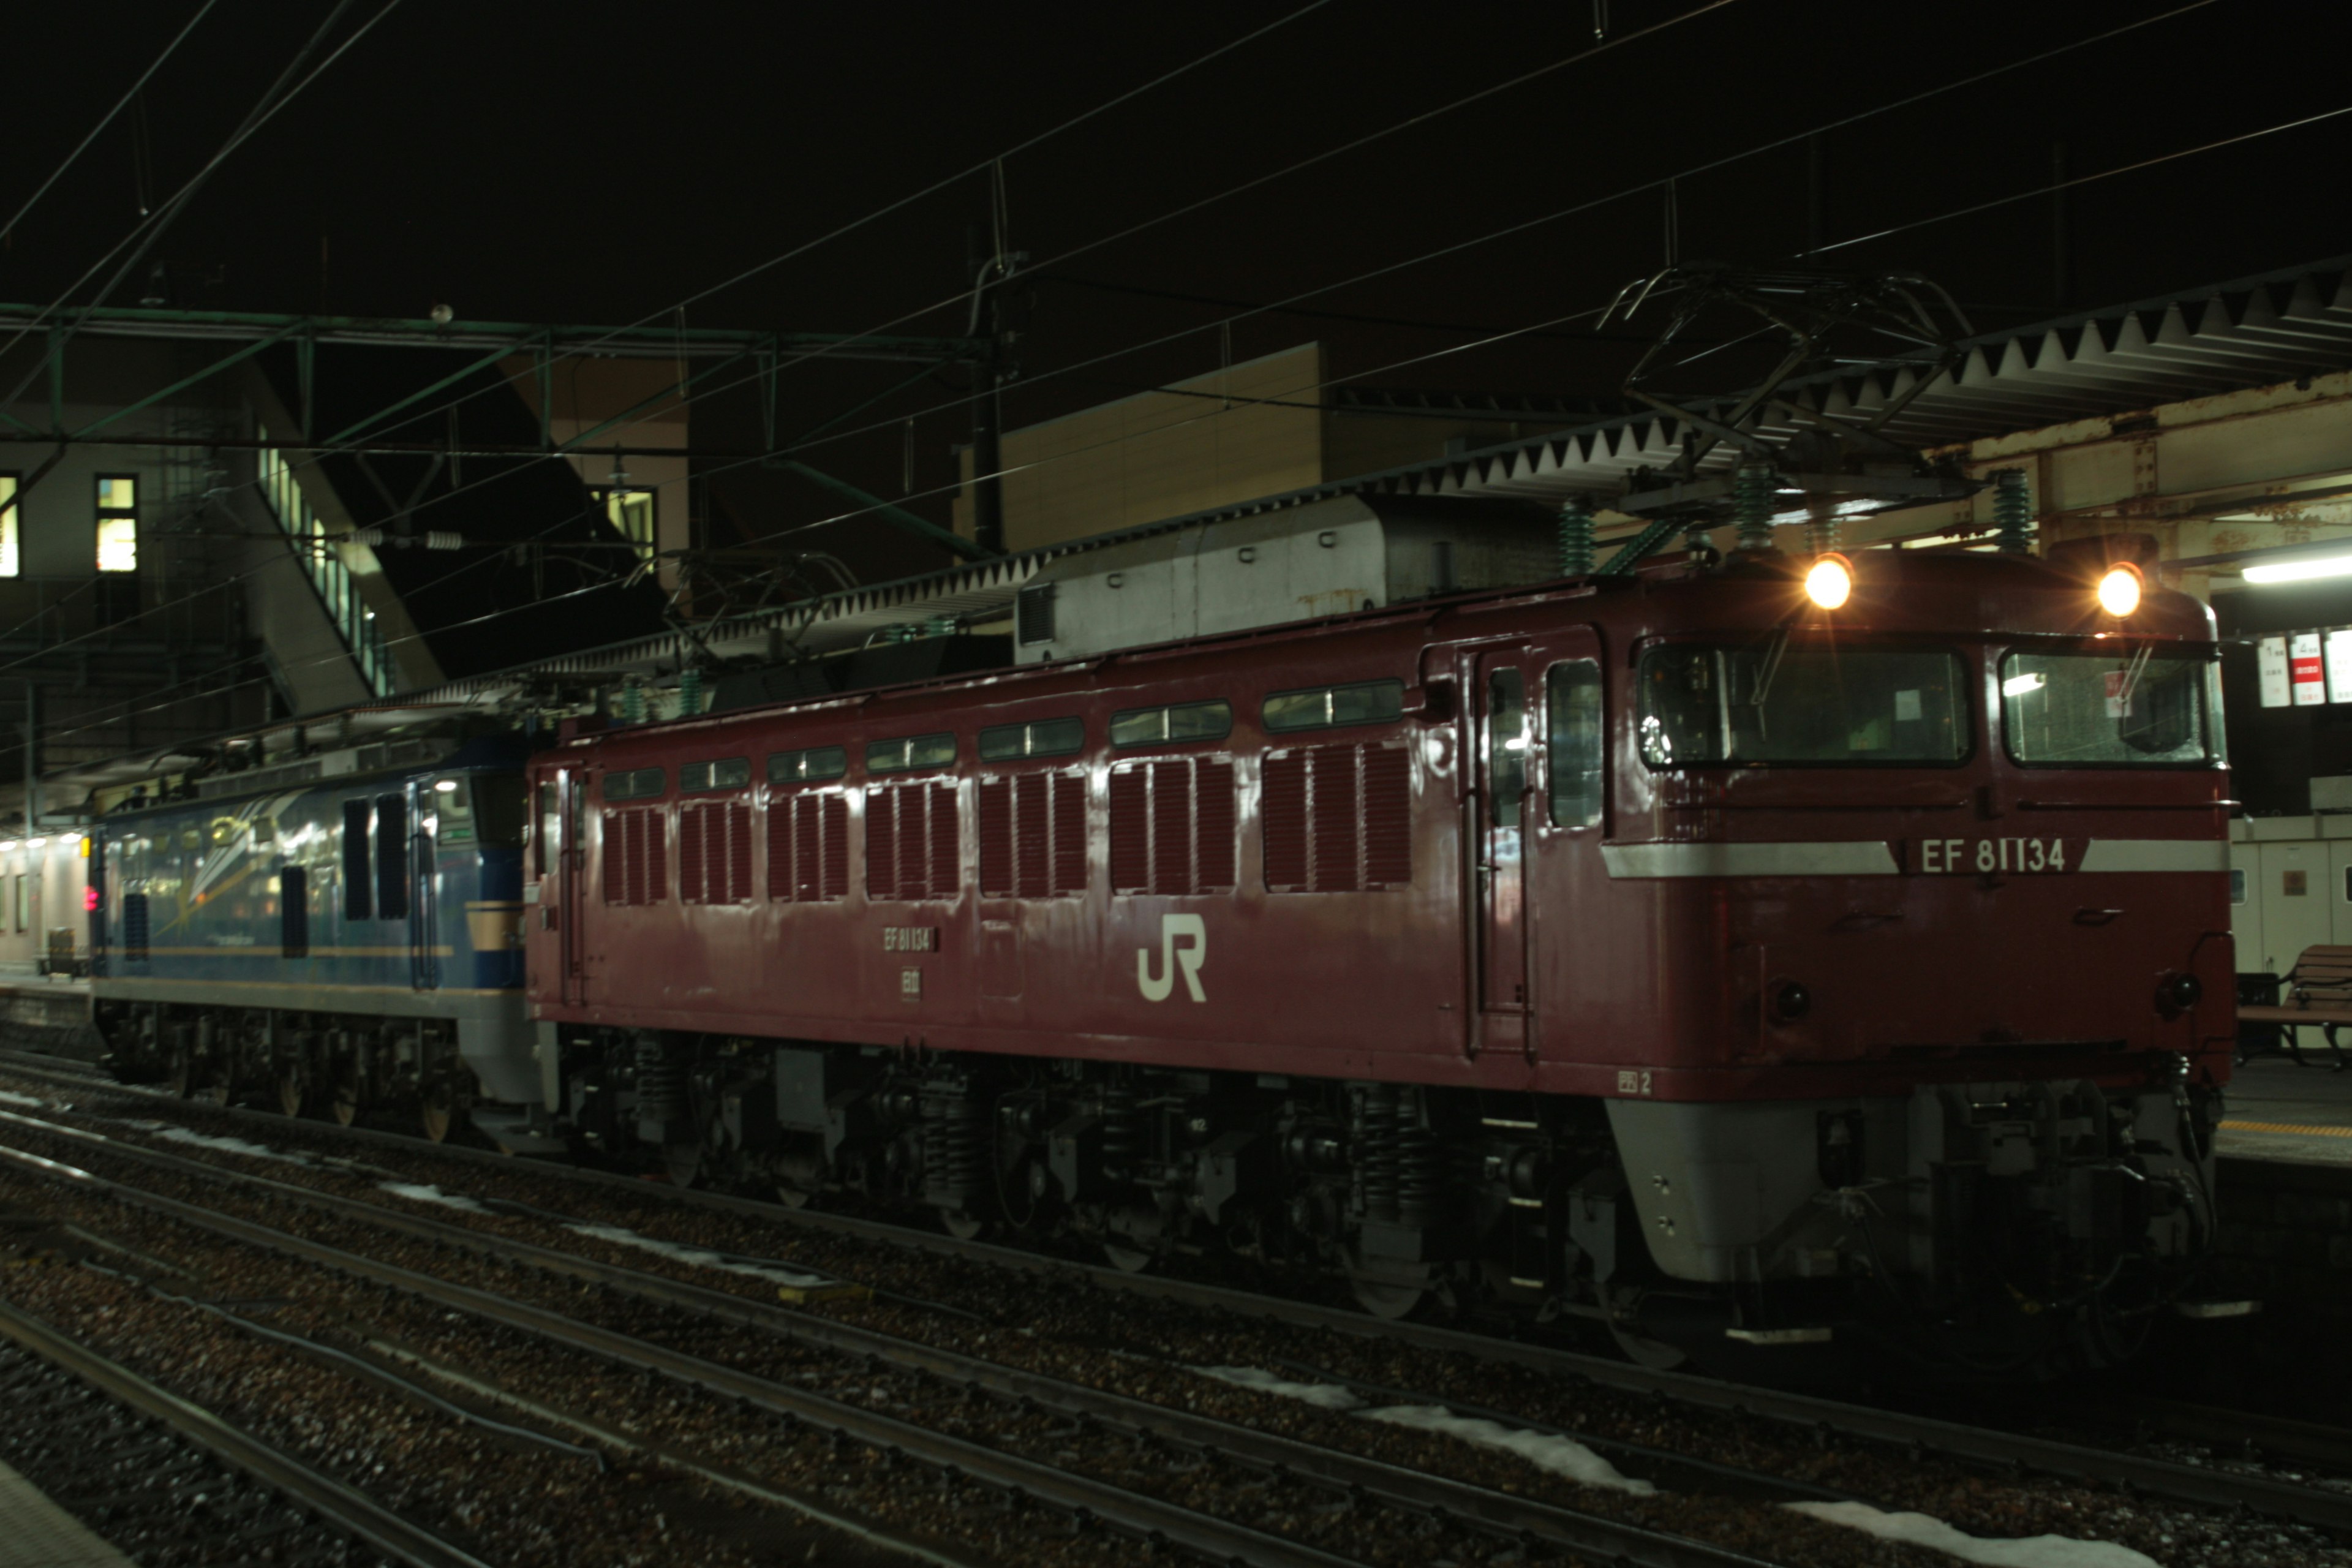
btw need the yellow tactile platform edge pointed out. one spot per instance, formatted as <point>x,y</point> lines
<point>2286,1127</point>
<point>36,1533</point>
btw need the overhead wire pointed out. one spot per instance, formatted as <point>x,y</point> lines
<point>150,228</point>
<point>108,118</point>
<point>994,166</point>
<point>994,163</point>
<point>1508,231</point>
<point>1846,120</point>
<point>856,512</point>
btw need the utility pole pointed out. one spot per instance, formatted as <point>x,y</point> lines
<point>987,452</point>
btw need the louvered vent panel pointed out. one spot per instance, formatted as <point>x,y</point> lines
<point>1171,828</point>
<point>617,861</point>
<point>1331,810</point>
<point>1130,829</point>
<point>1338,819</point>
<point>694,884</point>
<point>1213,815</point>
<point>833,878</point>
<point>996,831</point>
<point>656,858</point>
<point>945,870</point>
<point>881,844</point>
<point>784,835</point>
<point>1069,830</point>
<point>910,842</point>
<point>1388,817</point>
<point>1031,830</point>
<point>636,861</point>
<point>739,852</point>
<point>1283,810</point>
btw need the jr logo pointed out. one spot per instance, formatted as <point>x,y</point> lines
<point>1189,958</point>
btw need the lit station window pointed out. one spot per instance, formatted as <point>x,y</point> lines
<point>118,523</point>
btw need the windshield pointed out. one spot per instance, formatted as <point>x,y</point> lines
<point>1773,702</point>
<point>2132,708</point>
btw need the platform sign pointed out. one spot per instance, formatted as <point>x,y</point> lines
<point>2339,665</point>
<point>2270,659</point>
<point>2304,664</point>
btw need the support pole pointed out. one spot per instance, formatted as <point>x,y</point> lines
<point>32,755</point>
<point>1576,539</point>
<point>987,450</point>
<point>1751,490</point>
<point>987,461</point>
<point>2012,511</point>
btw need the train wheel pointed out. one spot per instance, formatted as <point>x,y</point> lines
<point>961,1225</point>
<point>1386,1288</point>
<point>683,1162</point>
<point>343,1099</point>
<point>1643,1351</point>
<point>1386,1302</point>
<point>1125,1260</point>
<point>292,1090</point>
<point>795,1198</point>
<point>437,1114</point>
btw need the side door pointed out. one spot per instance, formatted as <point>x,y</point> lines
<point>1495,816</point>
<point>1570,933</point>
<point>559,860</point>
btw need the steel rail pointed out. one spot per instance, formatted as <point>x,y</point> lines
<point>1136,1513</point>
<point>1986,1446</point>
<point>1500,1512</point>
<point>348,1509</point>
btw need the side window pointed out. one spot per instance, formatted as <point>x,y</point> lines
<point>814,765</point>
<point>1211,721</point>
<point>1329,707</point>
<point>1507,745</point>
<point>913,752</point>
<point>358,901</point>
<point>1038,738</point>
<point>1575,743</point>
<point>392,857</point>
<point>733,772</point>
<point>294,904</point>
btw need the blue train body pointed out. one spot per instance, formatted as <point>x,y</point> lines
<point>351,937</point>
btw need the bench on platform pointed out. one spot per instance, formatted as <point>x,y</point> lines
<point>2316,993</point>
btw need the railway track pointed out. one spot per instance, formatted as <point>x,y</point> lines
<point>1359,1486</point>
<point>166,1479</point>
<point>1982,1449</point>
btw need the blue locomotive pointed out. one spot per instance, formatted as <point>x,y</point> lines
<point>329,932</point>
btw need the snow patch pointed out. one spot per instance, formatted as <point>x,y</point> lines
<point>1563,1456</point>
<point>426,1194</point>
<point>1324,1396</point>
<point>701,1258</point>
<point>13,1097</point>
<point>229,1145</point>
<point>2027,1552</point>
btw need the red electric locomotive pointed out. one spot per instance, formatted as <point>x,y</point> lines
<point>1757,949</point>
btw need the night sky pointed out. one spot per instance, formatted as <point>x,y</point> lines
<point>598,162</point>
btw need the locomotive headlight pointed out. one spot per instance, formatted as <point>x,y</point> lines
<point>1831,582</point>
<point>2119,590</point>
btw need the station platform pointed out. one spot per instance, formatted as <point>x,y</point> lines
<point>2278,1110</point>
<point>36,1533</point>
